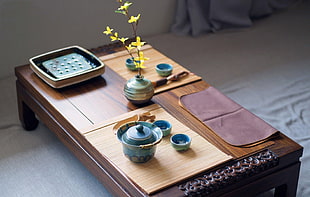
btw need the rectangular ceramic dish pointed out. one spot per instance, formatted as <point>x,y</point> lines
<point>66,66</point>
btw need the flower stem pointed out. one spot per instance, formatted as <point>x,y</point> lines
<point>134,27</point>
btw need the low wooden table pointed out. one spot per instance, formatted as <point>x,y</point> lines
<point>75,111</point>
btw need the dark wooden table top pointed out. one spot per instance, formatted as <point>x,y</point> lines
<point>87,104</point>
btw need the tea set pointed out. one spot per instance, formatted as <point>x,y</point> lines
<point>162,69</point>
<point>139,138</point>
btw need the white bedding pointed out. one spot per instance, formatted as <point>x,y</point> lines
<point>281,96</point>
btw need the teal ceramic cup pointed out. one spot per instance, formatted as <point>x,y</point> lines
<point>164,69</point>
<point>130,64</point>
<point>180,142</point>
<point>164,125</point>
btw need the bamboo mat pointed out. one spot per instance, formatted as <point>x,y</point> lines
<point>116,61</point>
<point>168,166</point>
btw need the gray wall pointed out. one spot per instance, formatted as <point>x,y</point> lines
<point>32,27</point>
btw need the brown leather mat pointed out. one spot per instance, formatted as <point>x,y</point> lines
<point>233,123</point>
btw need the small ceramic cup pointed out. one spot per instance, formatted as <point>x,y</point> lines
<point>130,64</point>
<point>164,125</point>
<point>164,69</point>
<point>180,142</point>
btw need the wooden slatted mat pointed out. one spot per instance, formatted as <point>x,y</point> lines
<point>168,166</point>
<point>116,61</point>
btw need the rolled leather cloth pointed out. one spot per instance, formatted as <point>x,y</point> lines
<point>229,120</point>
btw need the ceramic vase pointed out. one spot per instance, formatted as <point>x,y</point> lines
<point>138,90</point>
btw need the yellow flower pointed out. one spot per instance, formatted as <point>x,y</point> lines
<point>125,6</point>
<point>139,64</point>
<point>108,31</point>
<point>114,37</point>
<point>134,19</point>
<point>138,43</point>
<point>133,48</point>
<point>139,61</point>
<point>129,47</point>
<point>141,56</point>
<point>122,39</point>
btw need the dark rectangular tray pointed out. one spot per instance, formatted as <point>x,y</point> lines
<point>66,66</point>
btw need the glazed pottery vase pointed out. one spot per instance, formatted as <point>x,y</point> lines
<point>139,90</point>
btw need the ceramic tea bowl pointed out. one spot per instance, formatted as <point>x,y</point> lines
<point>164,69</point>
<point>139,140</point>
<point>130,64</point>
<point>180,142</point>
<point>164,125</point>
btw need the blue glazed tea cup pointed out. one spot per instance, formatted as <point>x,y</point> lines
<point>164,125</point>
<point>164,69</point>
<point>180,142</point>
<point>130,64</point>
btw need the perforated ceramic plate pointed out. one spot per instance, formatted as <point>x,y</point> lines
<point>66,66</point>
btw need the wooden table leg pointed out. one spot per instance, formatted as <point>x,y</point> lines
<point>290,187</point>
<point>26,115</point>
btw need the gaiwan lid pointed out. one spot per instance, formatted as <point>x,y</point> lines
<point>141,133</point>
